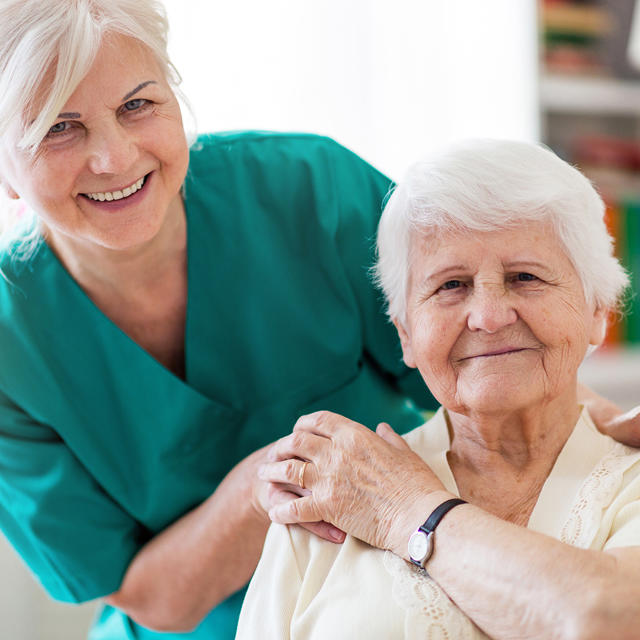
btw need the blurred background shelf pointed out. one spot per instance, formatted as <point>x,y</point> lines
<point>563,93</point>
<point>589,100</point>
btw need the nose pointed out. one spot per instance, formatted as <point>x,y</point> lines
<point>113,150</point>
<point>490,309</point>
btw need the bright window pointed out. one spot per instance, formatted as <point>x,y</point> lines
<point>388,78</point>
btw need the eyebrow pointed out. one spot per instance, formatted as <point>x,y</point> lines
<point>138,88</point>
<point>441,272</point>
<point>142,85</point>
<point>426,282</point>
<point>525,263</point>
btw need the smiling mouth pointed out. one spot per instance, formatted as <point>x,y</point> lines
<point>492,354</point>
<point>110,196</point>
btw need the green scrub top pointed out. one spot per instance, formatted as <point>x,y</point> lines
<point>101,447</point>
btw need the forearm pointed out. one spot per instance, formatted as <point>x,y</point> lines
<point>201,559</point>
<point>518,584</point>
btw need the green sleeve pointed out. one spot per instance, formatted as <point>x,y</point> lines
<point>361,191</point>
<point>73,537</point>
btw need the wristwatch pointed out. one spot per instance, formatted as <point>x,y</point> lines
<point>421,541</point>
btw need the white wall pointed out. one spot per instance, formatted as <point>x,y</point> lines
<point>389,78</point>
<point>27,614</point>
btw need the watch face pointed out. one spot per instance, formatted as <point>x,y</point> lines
<point>418,546</point>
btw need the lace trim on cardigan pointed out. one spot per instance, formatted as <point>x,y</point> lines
<point>429,613</point>
<point>595,495</point>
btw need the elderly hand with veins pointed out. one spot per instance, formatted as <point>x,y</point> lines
<point>368,484</point>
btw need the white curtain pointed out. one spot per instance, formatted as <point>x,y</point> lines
<point>388,78</point>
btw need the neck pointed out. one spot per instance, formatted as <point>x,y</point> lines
<point>129,270</point>
<point>531,437</point>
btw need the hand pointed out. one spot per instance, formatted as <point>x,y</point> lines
<point>624,428</point>
<point>370,485</point>
<point>610,420</point>
<point>267,495</point>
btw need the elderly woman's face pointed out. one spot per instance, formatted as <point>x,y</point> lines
<point>497,320</point>
<point>110,169</point>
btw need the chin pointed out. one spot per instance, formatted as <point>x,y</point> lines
<point>128,235</point>
<point>491,399</point>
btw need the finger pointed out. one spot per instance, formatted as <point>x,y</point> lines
<point>293,472</point>
<point>295,511</point>
<point>626,427</point>
<point>299,444</point>
<point>279,493</point>
<point>385,431</point>
<point>326,531</point>
<point>325,423</point>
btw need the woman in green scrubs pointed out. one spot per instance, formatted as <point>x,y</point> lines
<point>184,308</point>
<point>166,312</point>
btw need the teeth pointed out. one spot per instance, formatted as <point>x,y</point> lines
<point>117,195</point>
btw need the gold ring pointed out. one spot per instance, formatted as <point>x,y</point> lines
<point>303,468</point>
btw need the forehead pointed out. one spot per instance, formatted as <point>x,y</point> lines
<point>532,242</point>
<point>120,61</point>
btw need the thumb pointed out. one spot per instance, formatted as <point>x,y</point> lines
<point>385,431</point>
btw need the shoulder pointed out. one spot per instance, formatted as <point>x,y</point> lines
<point>266,143</point>
<point>431,438</point>
<point>275,153</point>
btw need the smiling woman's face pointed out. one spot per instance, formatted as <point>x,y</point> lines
<point>496,321</point>
<point>110,169</point>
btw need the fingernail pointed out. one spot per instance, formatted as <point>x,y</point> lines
<point>336,535</point>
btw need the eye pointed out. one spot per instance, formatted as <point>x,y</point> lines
<point>60,127</point>
<point>526,277</point>
<point>135,105</point>
<point>451,284</point>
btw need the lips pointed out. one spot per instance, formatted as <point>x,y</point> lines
<point>118,194</point>
<point>496,352</point>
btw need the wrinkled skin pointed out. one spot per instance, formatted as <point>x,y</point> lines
<point>360,480</point>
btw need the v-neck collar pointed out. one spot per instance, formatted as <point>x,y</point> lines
<point>89,324</point>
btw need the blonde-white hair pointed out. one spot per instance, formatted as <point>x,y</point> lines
<point>487,185</point>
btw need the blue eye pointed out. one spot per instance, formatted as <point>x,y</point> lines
<point>526,277</point>
<point>60,127</point>
<point>134,105</point>
<point>451,284</point>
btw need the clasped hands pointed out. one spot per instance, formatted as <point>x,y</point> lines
<point>333,475</point>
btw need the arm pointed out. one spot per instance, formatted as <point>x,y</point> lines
<point>512,582</point>
<point>201,559</point>
<point>205,556</point>
<point>539,587</point>
<point>269,606</point>
<point>80,542</point>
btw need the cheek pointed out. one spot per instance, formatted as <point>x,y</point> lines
<point>434,339</point>
<point>563,330</point>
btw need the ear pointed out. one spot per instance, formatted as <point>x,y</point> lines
<point>598,326</point>
<point>405,342</point>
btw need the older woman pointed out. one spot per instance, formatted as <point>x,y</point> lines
<point>499,275</point>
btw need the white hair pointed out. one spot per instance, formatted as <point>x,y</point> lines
<point>46,48</point>
<point>488,185</point>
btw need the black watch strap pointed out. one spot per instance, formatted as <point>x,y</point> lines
<point>439,512</point>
